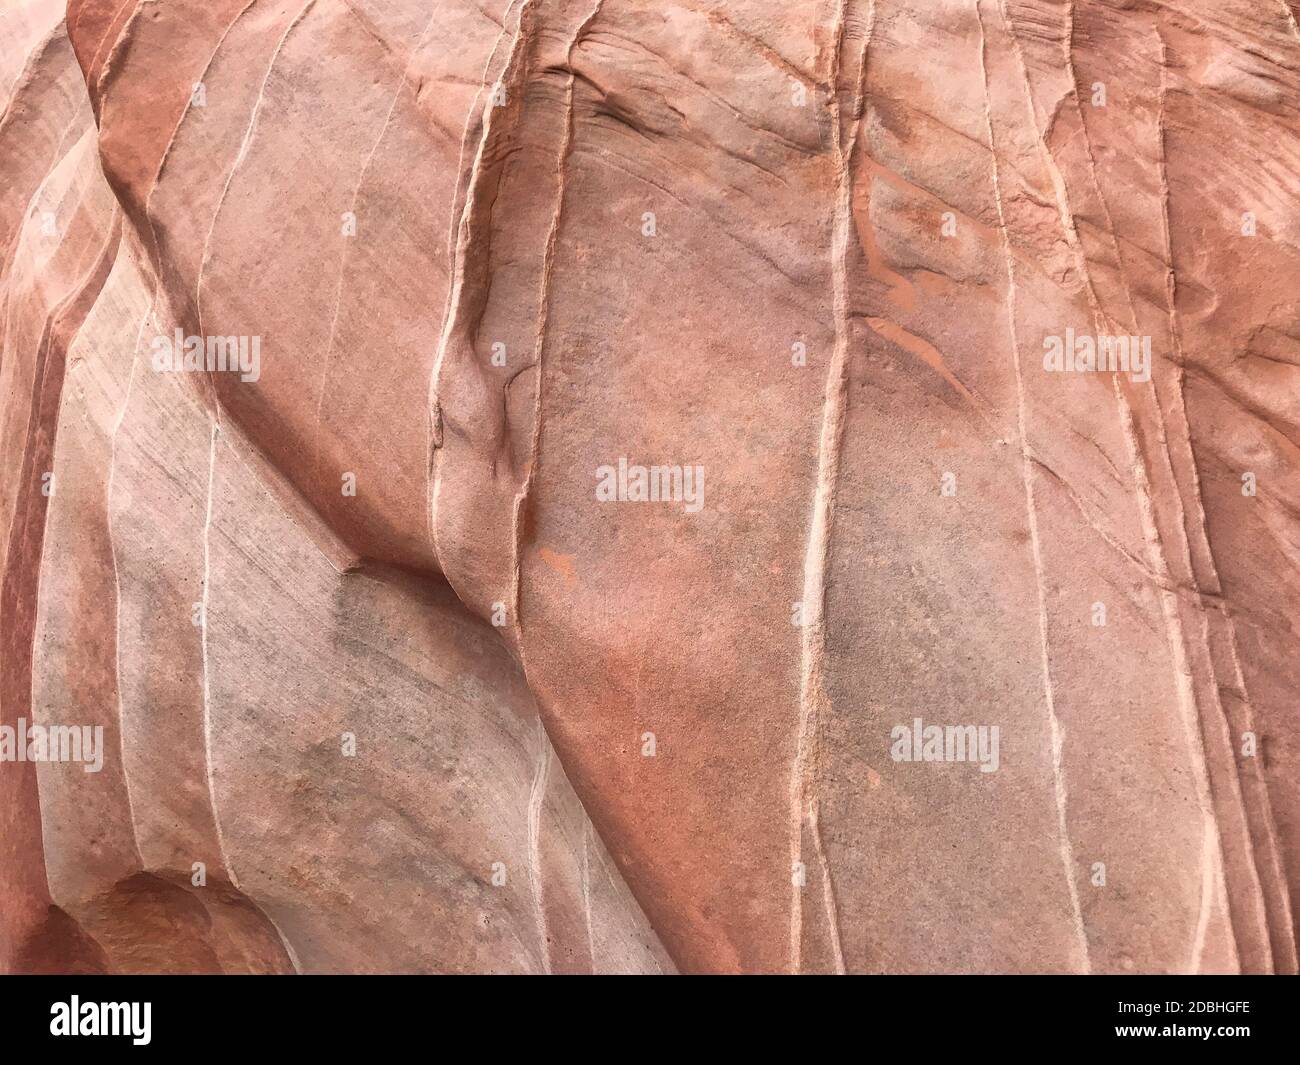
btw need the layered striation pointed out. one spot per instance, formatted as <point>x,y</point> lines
<point>339,334</point>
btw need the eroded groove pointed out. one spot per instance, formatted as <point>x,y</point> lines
<point>467,289</point>
<point>1061,796</point>
<point>1275,898</point>
<point>536,879</point>
<point>813,699</point>
<point>544,304</point>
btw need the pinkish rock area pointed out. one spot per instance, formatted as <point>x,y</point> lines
<point>638,486</point>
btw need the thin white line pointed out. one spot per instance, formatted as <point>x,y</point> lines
<point>1054,724</point>
<point>203,631</point>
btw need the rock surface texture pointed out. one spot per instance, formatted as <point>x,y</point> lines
<point>955,346</point>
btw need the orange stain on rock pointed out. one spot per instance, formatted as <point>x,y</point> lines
<point>562,564</point>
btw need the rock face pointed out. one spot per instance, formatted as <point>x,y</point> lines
<point>649,485</point>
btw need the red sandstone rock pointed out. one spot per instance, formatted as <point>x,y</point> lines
<point>393,675</point>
